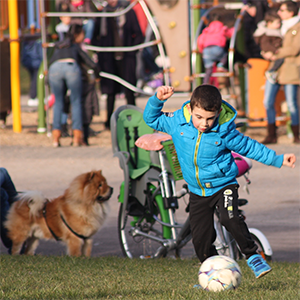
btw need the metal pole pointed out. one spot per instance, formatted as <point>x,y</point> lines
<point>15,64</point>
<point>41,76</point>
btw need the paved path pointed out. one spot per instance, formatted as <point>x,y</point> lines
<point>273,201</point>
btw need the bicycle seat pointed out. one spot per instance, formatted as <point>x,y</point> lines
<point>243,163</point>
<point>152,142</point>
<point>127,125</point>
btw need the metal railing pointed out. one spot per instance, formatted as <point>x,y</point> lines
<point>157,41</point>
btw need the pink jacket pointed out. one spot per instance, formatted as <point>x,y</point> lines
<point>215,34</point>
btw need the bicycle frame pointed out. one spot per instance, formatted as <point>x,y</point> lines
<point>165,192</point>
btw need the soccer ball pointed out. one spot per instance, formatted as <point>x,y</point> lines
<point>219,273</point>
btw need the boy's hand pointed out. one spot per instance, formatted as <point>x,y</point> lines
<point>266,55</point>
<point>164,92</point>
<point>289,160</point>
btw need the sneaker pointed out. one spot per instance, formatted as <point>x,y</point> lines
<point>271,76</point>
<point>2,124</point>
<point>197,286</point>
<point>87,41</point>
<point>258,265</point>
<point>221,70</point>
<point>33,102</point>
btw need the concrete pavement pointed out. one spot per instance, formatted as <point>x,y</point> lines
<point>273,201</point>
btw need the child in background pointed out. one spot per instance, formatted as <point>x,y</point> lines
<point>81,6</point>
<point>31,58</point>
<point>206,125</point>
<point>211,43</point>
<point>269,39</point>
<point>63,27</point>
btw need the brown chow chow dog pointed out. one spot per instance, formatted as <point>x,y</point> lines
<point>72,218</point>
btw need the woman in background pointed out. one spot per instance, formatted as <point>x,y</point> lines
<point>64,71</point>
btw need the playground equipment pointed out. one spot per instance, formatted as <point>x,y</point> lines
<point>179,24</point>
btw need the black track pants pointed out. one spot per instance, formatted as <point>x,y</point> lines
<point>202,222</point>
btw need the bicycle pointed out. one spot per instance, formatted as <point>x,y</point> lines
<point>147,225</point>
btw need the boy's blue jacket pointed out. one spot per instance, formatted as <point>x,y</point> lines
<point>205,158</point>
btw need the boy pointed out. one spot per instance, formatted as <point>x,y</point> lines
<point>204,134</point>
<point>269,39</point>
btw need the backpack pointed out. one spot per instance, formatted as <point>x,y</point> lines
<point>32,55</point>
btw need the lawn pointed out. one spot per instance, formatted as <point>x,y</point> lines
<point>62,277</point>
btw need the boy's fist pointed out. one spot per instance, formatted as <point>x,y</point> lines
<point>289,160</point>
<point>164,92</point>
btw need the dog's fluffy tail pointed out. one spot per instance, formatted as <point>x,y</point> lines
<point>35,201</point>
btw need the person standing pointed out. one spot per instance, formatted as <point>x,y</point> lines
<point>65,72</point>
<point>80,6</point>
<point>31,58</point>
<point>288,73</point>
<point>121,31</point>
<point>254,13</point>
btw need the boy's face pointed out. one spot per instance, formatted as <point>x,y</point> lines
<point>202,119</point>
<point>80,37</point>
<point>275,24</point>
<point>66,20</point>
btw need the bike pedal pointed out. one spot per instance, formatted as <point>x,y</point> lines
<point>242,202</point>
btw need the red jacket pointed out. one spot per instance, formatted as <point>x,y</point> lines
<point>215,34</point>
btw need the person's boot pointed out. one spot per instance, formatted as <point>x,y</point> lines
<point>272,136</point>
<point>56,133</point>
<point>295,129</point>
<point>77,138</point>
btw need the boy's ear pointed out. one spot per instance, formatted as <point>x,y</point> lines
<point>188,106</point>
<point>219,111</point>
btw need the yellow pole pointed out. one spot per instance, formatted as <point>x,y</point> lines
<point>14,64</point>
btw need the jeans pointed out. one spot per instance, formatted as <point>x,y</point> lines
<point>212,54</point>
<point>88,27</point>
<point>7,197</point>
<point>62,74</point>
<point>290,91</point>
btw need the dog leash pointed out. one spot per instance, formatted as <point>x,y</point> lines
<point>52,232</point>
<point>44,214</point>
<point>77,234</point>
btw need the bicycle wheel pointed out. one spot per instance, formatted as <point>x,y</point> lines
<point>260,248</point>
<point>133,244</point>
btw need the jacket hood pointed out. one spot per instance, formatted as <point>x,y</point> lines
<point>225,120</point>
<point>215,27</point>
<point>263,29</point>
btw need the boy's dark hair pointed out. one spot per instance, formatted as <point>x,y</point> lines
<point>214,17</point>
<point>74,31</point>
<point>64,7</point>
<point>291,6</point>
<point>271,15</point>
<point>207,97</point>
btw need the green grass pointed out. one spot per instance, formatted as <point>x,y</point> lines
<point>62,277</point>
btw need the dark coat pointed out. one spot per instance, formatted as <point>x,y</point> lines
<point>5,87</point>
<point>132,35</point>
<point>90,102</point>
<point>252,50</point>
